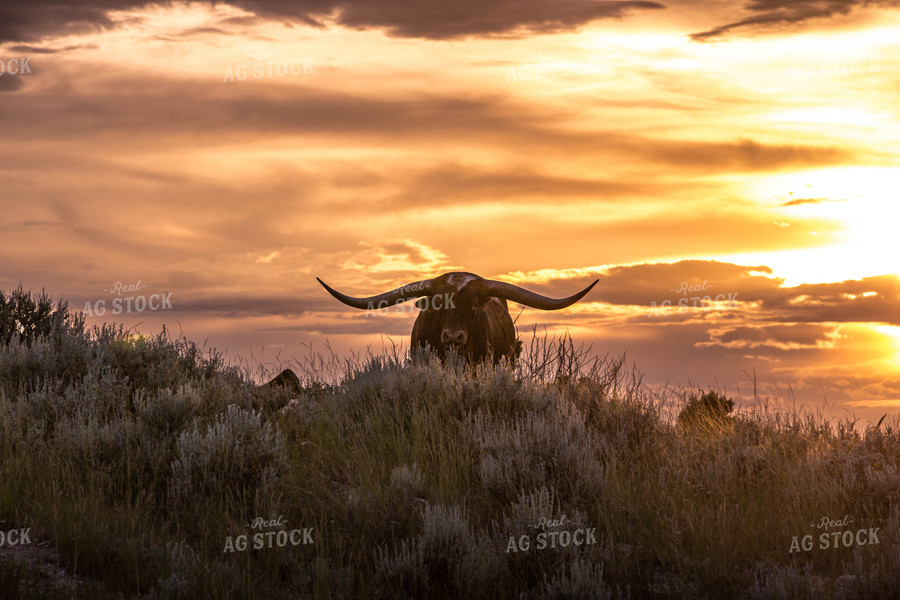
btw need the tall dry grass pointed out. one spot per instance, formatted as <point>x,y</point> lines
<point>134,459</point>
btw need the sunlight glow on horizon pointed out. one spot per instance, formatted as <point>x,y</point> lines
<point>892,338</point>
<point>856,199</point>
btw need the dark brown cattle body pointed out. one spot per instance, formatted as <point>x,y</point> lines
<point>462,311</point>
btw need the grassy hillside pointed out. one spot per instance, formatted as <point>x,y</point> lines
<point>136,464</point>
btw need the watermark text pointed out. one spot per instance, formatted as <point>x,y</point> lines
<point>551,537</point>
<point>694,303</point>
<point>15,537</point>
<point>267,68</point>
<point>279,537</point>
<point>128,304</point>
<point>843,536</point>
<point>15,66</point>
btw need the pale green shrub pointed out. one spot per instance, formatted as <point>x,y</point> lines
<point>167,410</point>
<point>448,559</point>
<point>579,579</point>
<point>235,461</point>
<point>408,480</point>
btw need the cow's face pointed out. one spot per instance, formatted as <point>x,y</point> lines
<point>453,313</point>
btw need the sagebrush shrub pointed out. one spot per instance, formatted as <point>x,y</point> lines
<point>579,579</point>
<point>230,463</point>
<point>448,559</point>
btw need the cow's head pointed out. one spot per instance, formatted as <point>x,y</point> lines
<point>462,311</point>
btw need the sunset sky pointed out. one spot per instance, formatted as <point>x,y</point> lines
<point>229,153</point>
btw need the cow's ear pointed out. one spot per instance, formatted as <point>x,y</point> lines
<point>422,303</point>
<point>481,300</point>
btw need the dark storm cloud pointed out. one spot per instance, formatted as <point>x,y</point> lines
<point>445,19</point>
<point>783,336</point>
<point>645,283</point>
<point>28,49</point>
<point>741,155</point>
<point>31,21</point>
<point>439,19</point>
<point>782,14</point>
<point>766,319</point>
<point>871,299</point>
<point>759,296</point>
<point>192,33</point>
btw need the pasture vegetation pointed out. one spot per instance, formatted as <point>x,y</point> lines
<point>133,459</point>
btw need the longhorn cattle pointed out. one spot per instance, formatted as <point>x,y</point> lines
<point>462,311</point>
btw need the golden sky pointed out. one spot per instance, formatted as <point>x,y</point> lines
<point>230,153</point>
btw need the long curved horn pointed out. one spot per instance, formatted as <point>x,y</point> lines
<point>410,291</point>
<point>501,289</point>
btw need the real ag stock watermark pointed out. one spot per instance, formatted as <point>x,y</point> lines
<point>695,303</point>
<point>551,63</point>
<point>268,65</point>
<point>844,536</point>
<point>15,537</point>
<point>277,536</point>
<point>133,302</point>
<point>434,302</point>
<point>15,66</point>
<point>553,535</point>
<point>836,69</point>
